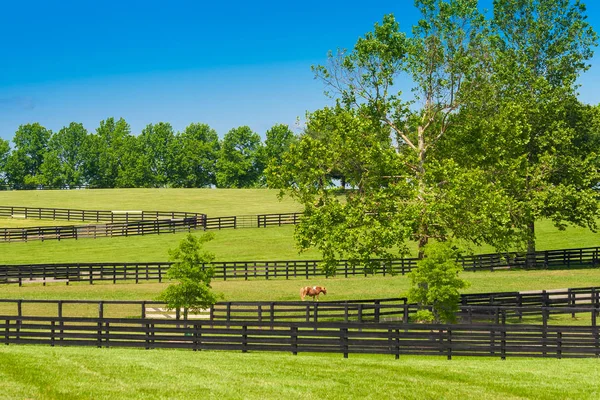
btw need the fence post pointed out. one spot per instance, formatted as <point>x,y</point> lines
<point>449,344</point>
<point>52,334</point>
<point>197,337</point>
<point>344,341</point>
<point>244,339</point>
<point>595,332</point>
<point>503,337</point>
<point>559,345</point>
<point>377,310</point>
<point>544,329</point>
<point>294,337</point>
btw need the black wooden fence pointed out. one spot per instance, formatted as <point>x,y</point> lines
<point>127,223</point>
<point>155,271</point>
<point>149,227</point>
<point>494,340</point>
<point>486,307</point>
<point>68,214</point>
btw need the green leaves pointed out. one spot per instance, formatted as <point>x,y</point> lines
<point>192,290</point>
<point>435,282</point>
<point>240,164</point>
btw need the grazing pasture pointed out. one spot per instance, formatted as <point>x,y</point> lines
<point>82,373</point>
<point>42,372</point>
<point>213,202</point>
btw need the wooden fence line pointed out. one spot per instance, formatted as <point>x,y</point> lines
<point>155,271</point>
<point>148,227</point>
<point>69,214</point>
<point>127,223</point>
<point>447,340</point>
<point>474,307</point>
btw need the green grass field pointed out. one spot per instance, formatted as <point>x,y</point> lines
<point>214,202</point>
<point>85,373</point>
<point>90,373</point>
<point>273,243</point>
<point>338,288</point>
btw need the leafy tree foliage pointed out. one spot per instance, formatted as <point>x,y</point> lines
<point>435,282</point>
<point>192,292</point>
<point>195,153</point>
<point>240,164</point>
<point>278,141</point>
<point>23,165</point>
<point>527,129</point>
<point>64,157</point>
<point>104,152</point>
<point>4,153</point>
<point>157,143</point>
<point>385,146</point>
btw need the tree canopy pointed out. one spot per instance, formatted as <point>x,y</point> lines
<point>457,159</point>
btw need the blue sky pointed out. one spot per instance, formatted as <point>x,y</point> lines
<point>227,64</point>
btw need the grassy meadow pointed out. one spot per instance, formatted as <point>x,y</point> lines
<point>90,373</point>
<point>39,372</point>
<point>213,202</point>
<point>229,245</point>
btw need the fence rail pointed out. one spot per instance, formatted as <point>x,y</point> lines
<point>127,223</point>
<point>149,227</point>
<point>68,214</point>
<point>474,308</point>
<point>155,271</point>
<point>343,338</point>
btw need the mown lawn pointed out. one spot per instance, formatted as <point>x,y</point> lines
<point>273,243</point>
<point>88,373</point>
<point>214,202</point>
<point>339,288</point>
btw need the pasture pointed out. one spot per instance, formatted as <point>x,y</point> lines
<point>49,373</point>
<point>83,373</point>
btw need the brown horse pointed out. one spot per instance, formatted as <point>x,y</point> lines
<point>312,291</point>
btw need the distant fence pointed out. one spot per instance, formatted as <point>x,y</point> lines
<point>492,340</point>
<point>127,223</point>
<point>68,214</point>
<point>155,271</point>
<point>117,229</point>
<point>474,308</point>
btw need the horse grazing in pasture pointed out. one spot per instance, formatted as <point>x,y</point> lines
<point>312,291</point>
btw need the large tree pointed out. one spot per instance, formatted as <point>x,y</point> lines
<point>4,153</point>
<point>65,151</point>
<point>384,143</point>
<point>103,152</point>
<point>24,163</point>
<point>527,129</point>
<point>240,164</point>
<point>278,140</point>
<point>194,155</point>
<point>157,140</point>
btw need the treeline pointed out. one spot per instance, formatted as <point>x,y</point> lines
<point>113,157</point>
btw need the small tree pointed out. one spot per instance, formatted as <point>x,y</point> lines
<point>435,283</point>
<point>192,292</point>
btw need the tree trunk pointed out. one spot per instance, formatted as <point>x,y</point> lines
<point>530,260</point>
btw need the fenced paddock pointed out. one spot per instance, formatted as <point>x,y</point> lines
<point>473,309</point>
<point>343,338</point>
<point>127,223</point>
<point>67,214</point>
<point>284,269</point>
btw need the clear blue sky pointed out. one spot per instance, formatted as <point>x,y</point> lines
<point>225,63</point>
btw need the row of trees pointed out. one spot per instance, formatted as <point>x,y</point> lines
<point>158,157</point>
